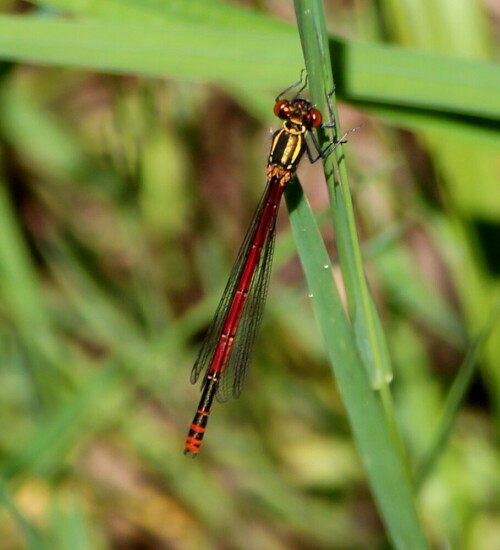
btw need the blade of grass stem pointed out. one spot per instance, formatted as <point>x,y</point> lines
<point>388,476</point>
<point>368,332</point>
<point>363,313</point>
<point>378,76</point>
<point>454,400</point>
<point>29,317</point>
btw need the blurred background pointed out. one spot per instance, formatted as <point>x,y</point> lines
<point>123,202</point>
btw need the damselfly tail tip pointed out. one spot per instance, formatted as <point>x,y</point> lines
<point>192,446</point>
<point>193,454</point>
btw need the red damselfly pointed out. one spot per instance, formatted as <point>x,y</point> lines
<point>225,353</point>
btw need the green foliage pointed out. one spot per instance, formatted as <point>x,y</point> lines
<point>122,200</point>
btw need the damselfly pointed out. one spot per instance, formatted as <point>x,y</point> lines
<point>225,354</point>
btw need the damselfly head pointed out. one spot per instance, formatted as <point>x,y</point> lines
<point>298,111</point>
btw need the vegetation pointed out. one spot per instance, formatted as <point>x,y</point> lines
<point>134,135</point>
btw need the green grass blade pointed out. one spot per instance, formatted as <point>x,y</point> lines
<point>19,284</point>
<point>363,313</point>
<point>388,477</point>
<point>255,56</point>
<point>454,400</point>
<point>22,297</point>
<point>185,50</point>
<point>395,76</point>
<point>397,508</point>
<point>153,11</point>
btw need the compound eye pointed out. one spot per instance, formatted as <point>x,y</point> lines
<point>316,118</point>
<point>281,108</point>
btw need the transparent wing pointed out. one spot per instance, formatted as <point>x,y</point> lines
<point>238,360</point>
